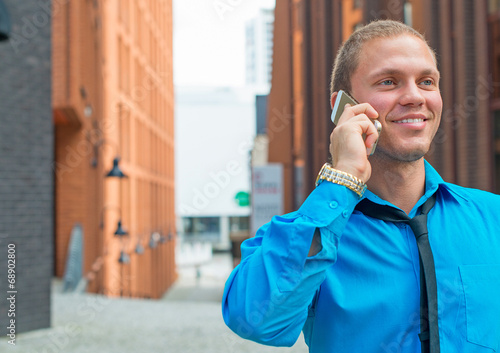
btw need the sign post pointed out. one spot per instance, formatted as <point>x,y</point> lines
<point>267,194</point>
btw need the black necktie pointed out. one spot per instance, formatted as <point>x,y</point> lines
<point>429,332</point>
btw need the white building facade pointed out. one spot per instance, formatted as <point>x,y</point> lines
<point>215,129</point>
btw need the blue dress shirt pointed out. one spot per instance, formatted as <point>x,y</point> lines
<point>361,292</point>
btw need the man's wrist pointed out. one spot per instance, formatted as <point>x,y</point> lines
<point>336,176</point>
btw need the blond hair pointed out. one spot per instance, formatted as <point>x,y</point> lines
<point>347,59</point>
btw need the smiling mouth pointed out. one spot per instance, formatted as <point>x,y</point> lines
<point>409,121</point>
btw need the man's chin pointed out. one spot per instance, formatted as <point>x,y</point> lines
<point>400,156</point>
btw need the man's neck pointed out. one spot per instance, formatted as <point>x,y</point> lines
<point>402,184</point>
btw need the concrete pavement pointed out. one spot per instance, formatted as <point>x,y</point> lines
<point>188,320</point>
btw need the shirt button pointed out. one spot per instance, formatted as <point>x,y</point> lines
<point>333,204</point>
<point>345,213</point>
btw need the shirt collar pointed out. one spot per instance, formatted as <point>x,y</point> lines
<point>433,183</point>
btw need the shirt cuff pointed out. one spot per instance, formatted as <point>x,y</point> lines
<point>329,202</point>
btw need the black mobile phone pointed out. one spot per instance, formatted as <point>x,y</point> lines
<point>342,99</point>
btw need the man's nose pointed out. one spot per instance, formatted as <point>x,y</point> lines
<point>412,95</point>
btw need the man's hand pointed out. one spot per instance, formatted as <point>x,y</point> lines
<point>348,148</point>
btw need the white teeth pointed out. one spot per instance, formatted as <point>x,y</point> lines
<point>406,121</point>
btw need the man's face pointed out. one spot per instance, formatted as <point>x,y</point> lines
<point>399,78</point>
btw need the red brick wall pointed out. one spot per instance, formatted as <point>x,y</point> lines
<point>120,53</point>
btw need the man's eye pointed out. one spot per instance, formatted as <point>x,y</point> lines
<point>427,82</point>
<point>387,82</point>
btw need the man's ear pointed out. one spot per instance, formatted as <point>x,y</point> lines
<point>332,99</point>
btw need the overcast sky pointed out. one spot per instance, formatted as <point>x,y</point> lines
<point>209,44</point>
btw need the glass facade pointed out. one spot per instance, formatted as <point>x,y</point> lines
<point>206,228</point>
<point>239,223</point>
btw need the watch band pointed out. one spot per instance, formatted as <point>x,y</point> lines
<point>335,176</point>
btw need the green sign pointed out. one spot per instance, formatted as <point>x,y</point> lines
<point>242,198</point>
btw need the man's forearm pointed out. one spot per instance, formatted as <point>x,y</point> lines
<point>267,297</point>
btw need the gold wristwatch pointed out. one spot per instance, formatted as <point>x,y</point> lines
<point>335,176</point>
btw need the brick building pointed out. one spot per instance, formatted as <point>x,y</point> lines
<point>465,35</point>
<point>26,152</point>
<point>113,98</point>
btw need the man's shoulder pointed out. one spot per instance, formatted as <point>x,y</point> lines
<point>472,194</point>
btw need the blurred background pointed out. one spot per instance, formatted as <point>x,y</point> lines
<point>142,141</point>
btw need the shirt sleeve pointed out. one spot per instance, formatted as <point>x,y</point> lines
<point>267,296</point>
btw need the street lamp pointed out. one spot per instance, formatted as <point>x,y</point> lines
<point>139,249</point>
<point>168,237</point>
<point>154,239</point>
<point>124,258</point>
<point>97,141</point>
<point>120,231</point>
<point>116,171</point>
<point>119,228</point>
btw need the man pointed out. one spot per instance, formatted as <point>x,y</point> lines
<point>350,279</point>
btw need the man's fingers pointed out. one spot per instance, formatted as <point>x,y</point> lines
<point>350,111</point>
<point>365,108</point>
<point>370,140</point>
<point>351,138</point>
<point>371,134</point>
